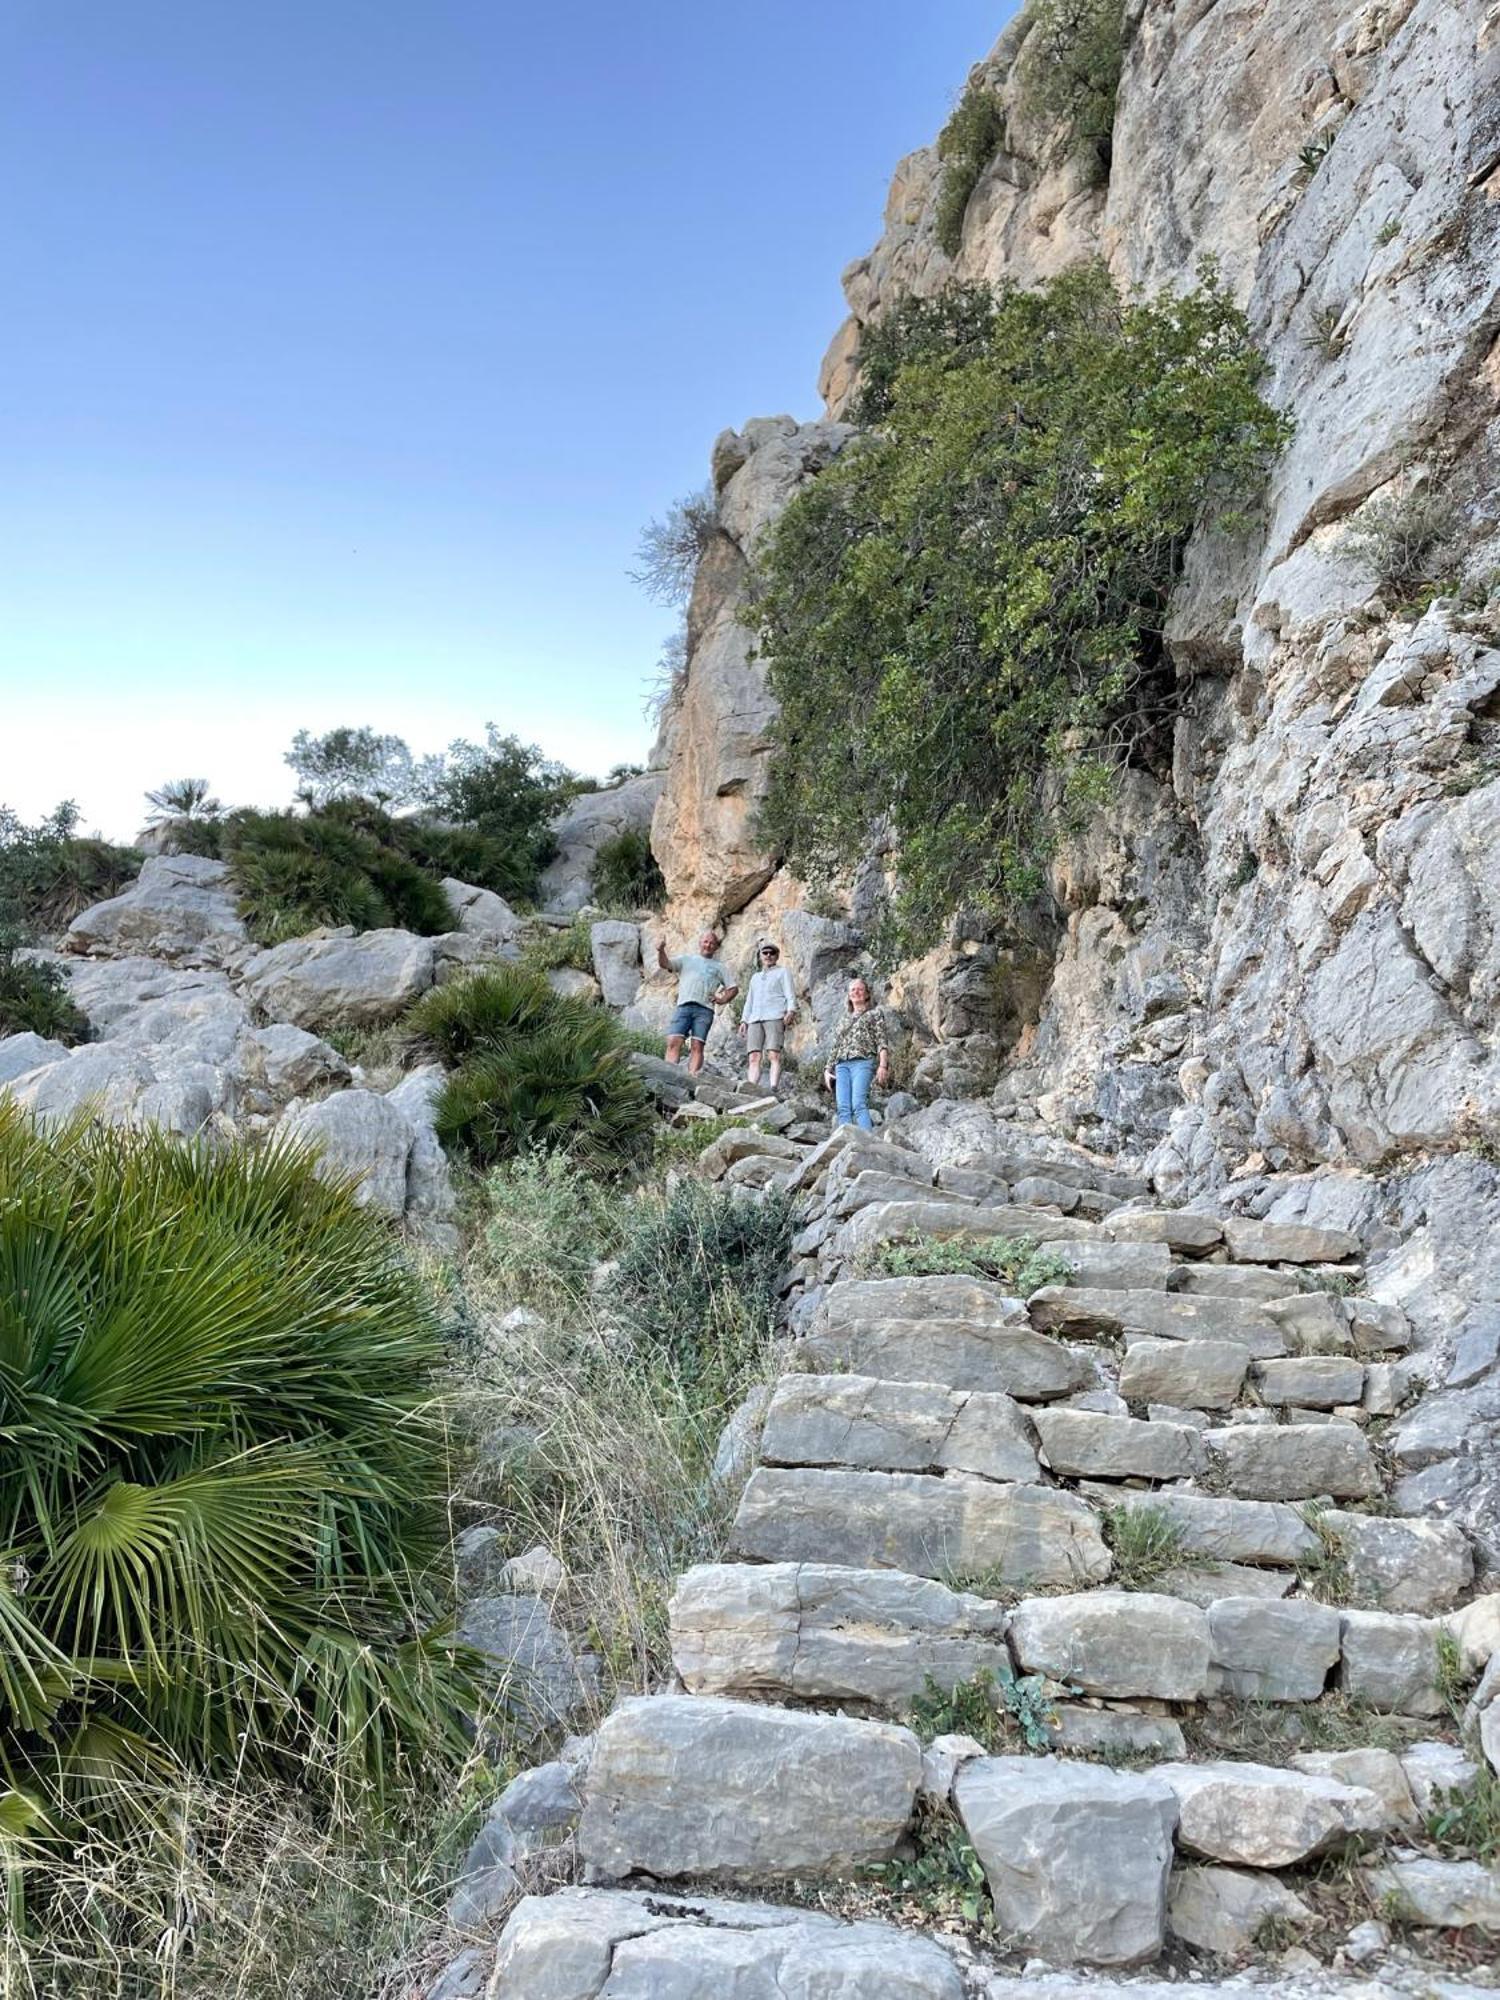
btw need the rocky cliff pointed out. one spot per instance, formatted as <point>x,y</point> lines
<point>1273,977</point>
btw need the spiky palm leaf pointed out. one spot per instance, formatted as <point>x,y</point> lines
<point>217,1466</point>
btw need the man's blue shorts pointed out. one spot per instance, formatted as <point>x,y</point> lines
<point>693,1020</point>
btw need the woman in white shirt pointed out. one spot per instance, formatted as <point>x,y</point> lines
<point>770,1008</point>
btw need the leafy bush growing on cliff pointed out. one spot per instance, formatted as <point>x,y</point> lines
<point>954,325</point>
<point>218,1481</point>
<point>47,875</point>
<point>966,145</point>
<point>1406,541</point>
<point>1069,70</point>
<point>962,618</point>
<point>534,1071</point>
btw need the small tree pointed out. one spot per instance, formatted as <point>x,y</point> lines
<point>671,549</point>
<point>1070,69</point>
<point>349,763</point>
<point>507,790</point>
<point>182,798</point>
<point>966,145</point>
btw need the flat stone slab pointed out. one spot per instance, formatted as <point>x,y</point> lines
<point>897,1427</point>
<point>1178,1228</point>
<point>1089,1444</point>
<point>1224,1530</point>
<point>816,1631</point>
<point>961,1332</point>
<point>1077,1856</point>
<point>1313,1381</point>
<point>679,1785</point>
<point>1250,1284</point>
<point>1116,1643</point>
<point>954,1527</point>
<point>906,1221</point>
<point>1193,1374</point>
<point>1295,1461</point>
<point>1256,1816</point>
<point>1082,1731</point>
<point>1119,1267</point>
<point>1082,1313</point>
<point>1269,1651</point>
<point>1252,1242</point>
<point>1442,1895</point>
<point>1207,1583</point>
<point>594,1944</point>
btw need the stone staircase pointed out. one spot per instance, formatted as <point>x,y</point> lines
<point>1112,1512</point>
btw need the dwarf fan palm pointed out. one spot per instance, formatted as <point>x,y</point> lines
<point>217,1471</point>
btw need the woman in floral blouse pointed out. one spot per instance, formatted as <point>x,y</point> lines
<point>860,1055</point>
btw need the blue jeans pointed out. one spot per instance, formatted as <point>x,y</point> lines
<point>851,1090</point>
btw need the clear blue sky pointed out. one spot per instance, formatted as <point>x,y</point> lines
<point>347,346</point>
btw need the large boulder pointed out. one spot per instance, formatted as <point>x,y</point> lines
<point>680,1785</point>
<point>1077,1857</point>
<point>20,1054</point>
<point>483,916</point>
<point>180,907</point>
<point>359,1137</point>
<point>340,978</point>
<point>616,950</point>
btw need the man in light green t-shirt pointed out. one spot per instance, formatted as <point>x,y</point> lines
<point>702,985</point>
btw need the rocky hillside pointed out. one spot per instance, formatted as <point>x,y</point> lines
<point>1273,971</point>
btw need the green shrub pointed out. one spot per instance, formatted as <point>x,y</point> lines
<point>218,1481</point>
<point>505,794</point>
<point>962,617</point>
<point>699,1276</point>
<point>1145,1543</point>
<point>34,998</point>
<point>954,325</point>
<point>345,863</point>
<point>966,145</point>
<point>185,800</point>
<point>534,1071</point>
<point>1069,70</point>
<point>48,872</point>
<point>1017,1261</point>
<point>626,874</point>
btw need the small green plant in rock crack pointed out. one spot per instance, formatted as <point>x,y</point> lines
<point>1310,158</point>
<point>1325,1573</point>
<point>1468,1822</point>
<point>989,1707</point>
<point>945,1877</point>
<point>1453,1678</point>
<point>1388,232</point>
<point>1016,1261</point>
<point>1323,332</point>
<point>1145,1543</point>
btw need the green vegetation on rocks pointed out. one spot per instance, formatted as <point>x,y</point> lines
<point>1016,1261</point>
<point>626,874</point>
<point>48,873</point>
<point>1070,70</point>
<point>966,145</point>
<point>962,617</point>
<point>533,1071</point>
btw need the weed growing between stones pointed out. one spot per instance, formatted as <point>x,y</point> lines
<point>1269,1732</point>
<point>563,948</point>
<point>1016,1261</point>
<point>1145,1542</point>
<point>993,1709</point>
<point>1325,1573</point>
<point>1466,1824</point>
<point>943,1879</point>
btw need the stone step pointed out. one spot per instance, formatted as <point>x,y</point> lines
<point>1089,1444</point>
<point>856,1420</point>
<point>820,1632</point>
<point>590,1944</point>
<point>1294,1461</point>
<point>1084,1313</point>
<point>952,1527</point>
<point>908,1221</point>
<point>686,1785</point>
<point>963,1332</point>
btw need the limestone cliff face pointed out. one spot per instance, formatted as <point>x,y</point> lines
<point>1292,953</point>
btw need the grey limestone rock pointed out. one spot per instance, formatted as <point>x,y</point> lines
<point>1273,1651</point>
<point>896,1427</point>
<point>680,1785</point>
<point>1116,1643</point>
<point>1077,1857</point>
<point>1087,1444</point>
<point>1295,1461</point>
<point>953,1526</point>
<point>594,1944</point>
<point>1223,1910</point>
<point>1198,1374</point>
<point>181,907</point>
<point>815,1631</point>
<point>1256,1816</point>
<point>338,979</point>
